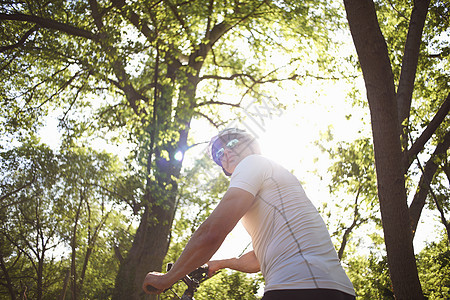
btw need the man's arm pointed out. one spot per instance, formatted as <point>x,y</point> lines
<point>207,238</point>
<point>247,263</point>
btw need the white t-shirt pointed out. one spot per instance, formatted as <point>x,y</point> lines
<point>289,237</point>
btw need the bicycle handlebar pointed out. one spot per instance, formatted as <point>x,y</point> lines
<point>192,280</point>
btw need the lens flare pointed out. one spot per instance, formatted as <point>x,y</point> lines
<point>179,156</point>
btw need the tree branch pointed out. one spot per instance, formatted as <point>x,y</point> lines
<point>95,14</point>
<point>213,36</point>
<point>415,209</point>
<point>134,19</point>
<point>75,97</point>
<point>50,24</point>
<point>397,11</point>
<point>17,190</point>
<point>427,133</point>
<point>21,41</point>
<point>233,76</point>
<point>135,206</point>
<point>62,88</point>
<point>253,79</point>
<point>410,61</point>
<point>208,118</point>
<point>8,280</point>
<point>202,49</point>
<point>438,206</point>
<point>131,95</point>
<point>354,224</point>
<point>178,17</point>
<point>218,103</point>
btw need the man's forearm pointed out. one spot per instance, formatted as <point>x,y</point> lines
<point>198,251</point>
<point>247,263</point>
<point>210,235</point>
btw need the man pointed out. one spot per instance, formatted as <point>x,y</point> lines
<point>292,247</point>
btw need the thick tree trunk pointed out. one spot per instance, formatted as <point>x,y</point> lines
<point>152,238</point>
<point>147,252</point>
<point>379,81</point>
<point>153,235</point>
<point>40,277</point>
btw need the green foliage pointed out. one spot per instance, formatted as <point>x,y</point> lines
<point>230,285</point>
<point>353,185</point>
<point>58,209</point>
<point>433,264</point>
<point>370,277</point>
<point>111,54</point>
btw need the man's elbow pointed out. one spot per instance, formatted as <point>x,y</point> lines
<point>211,237</point>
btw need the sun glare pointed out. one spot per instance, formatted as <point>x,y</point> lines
<point>179,156</point>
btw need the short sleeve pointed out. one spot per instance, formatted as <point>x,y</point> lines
<point>251,173</point>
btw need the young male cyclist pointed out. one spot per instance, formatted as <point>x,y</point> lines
<point>292,247</point>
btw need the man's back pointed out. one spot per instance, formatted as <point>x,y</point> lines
<point>289,237</point>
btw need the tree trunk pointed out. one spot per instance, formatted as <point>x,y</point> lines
<point>147,252</point>
<point>379,80</point>
<point>73,269</point>
<point>152,238</point>
<point>62,295</point>
<point>40,276</point>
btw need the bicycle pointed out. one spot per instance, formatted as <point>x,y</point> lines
<point>192,280</point>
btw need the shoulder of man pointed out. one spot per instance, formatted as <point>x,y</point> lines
<point>254,163</point>
<point>257,159</point>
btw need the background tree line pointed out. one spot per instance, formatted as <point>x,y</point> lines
<point>75,220</point>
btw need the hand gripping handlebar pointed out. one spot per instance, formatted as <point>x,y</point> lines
<point>192,280</point>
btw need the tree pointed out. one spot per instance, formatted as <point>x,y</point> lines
<point>27,224</point>
<point>58,214</point>
<point>156,65</point>
<point>392,114</point>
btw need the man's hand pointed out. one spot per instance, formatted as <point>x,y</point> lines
<point>155,283</point>
<point>214,266</point>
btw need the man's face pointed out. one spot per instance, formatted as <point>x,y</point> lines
<point>232,152</point>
